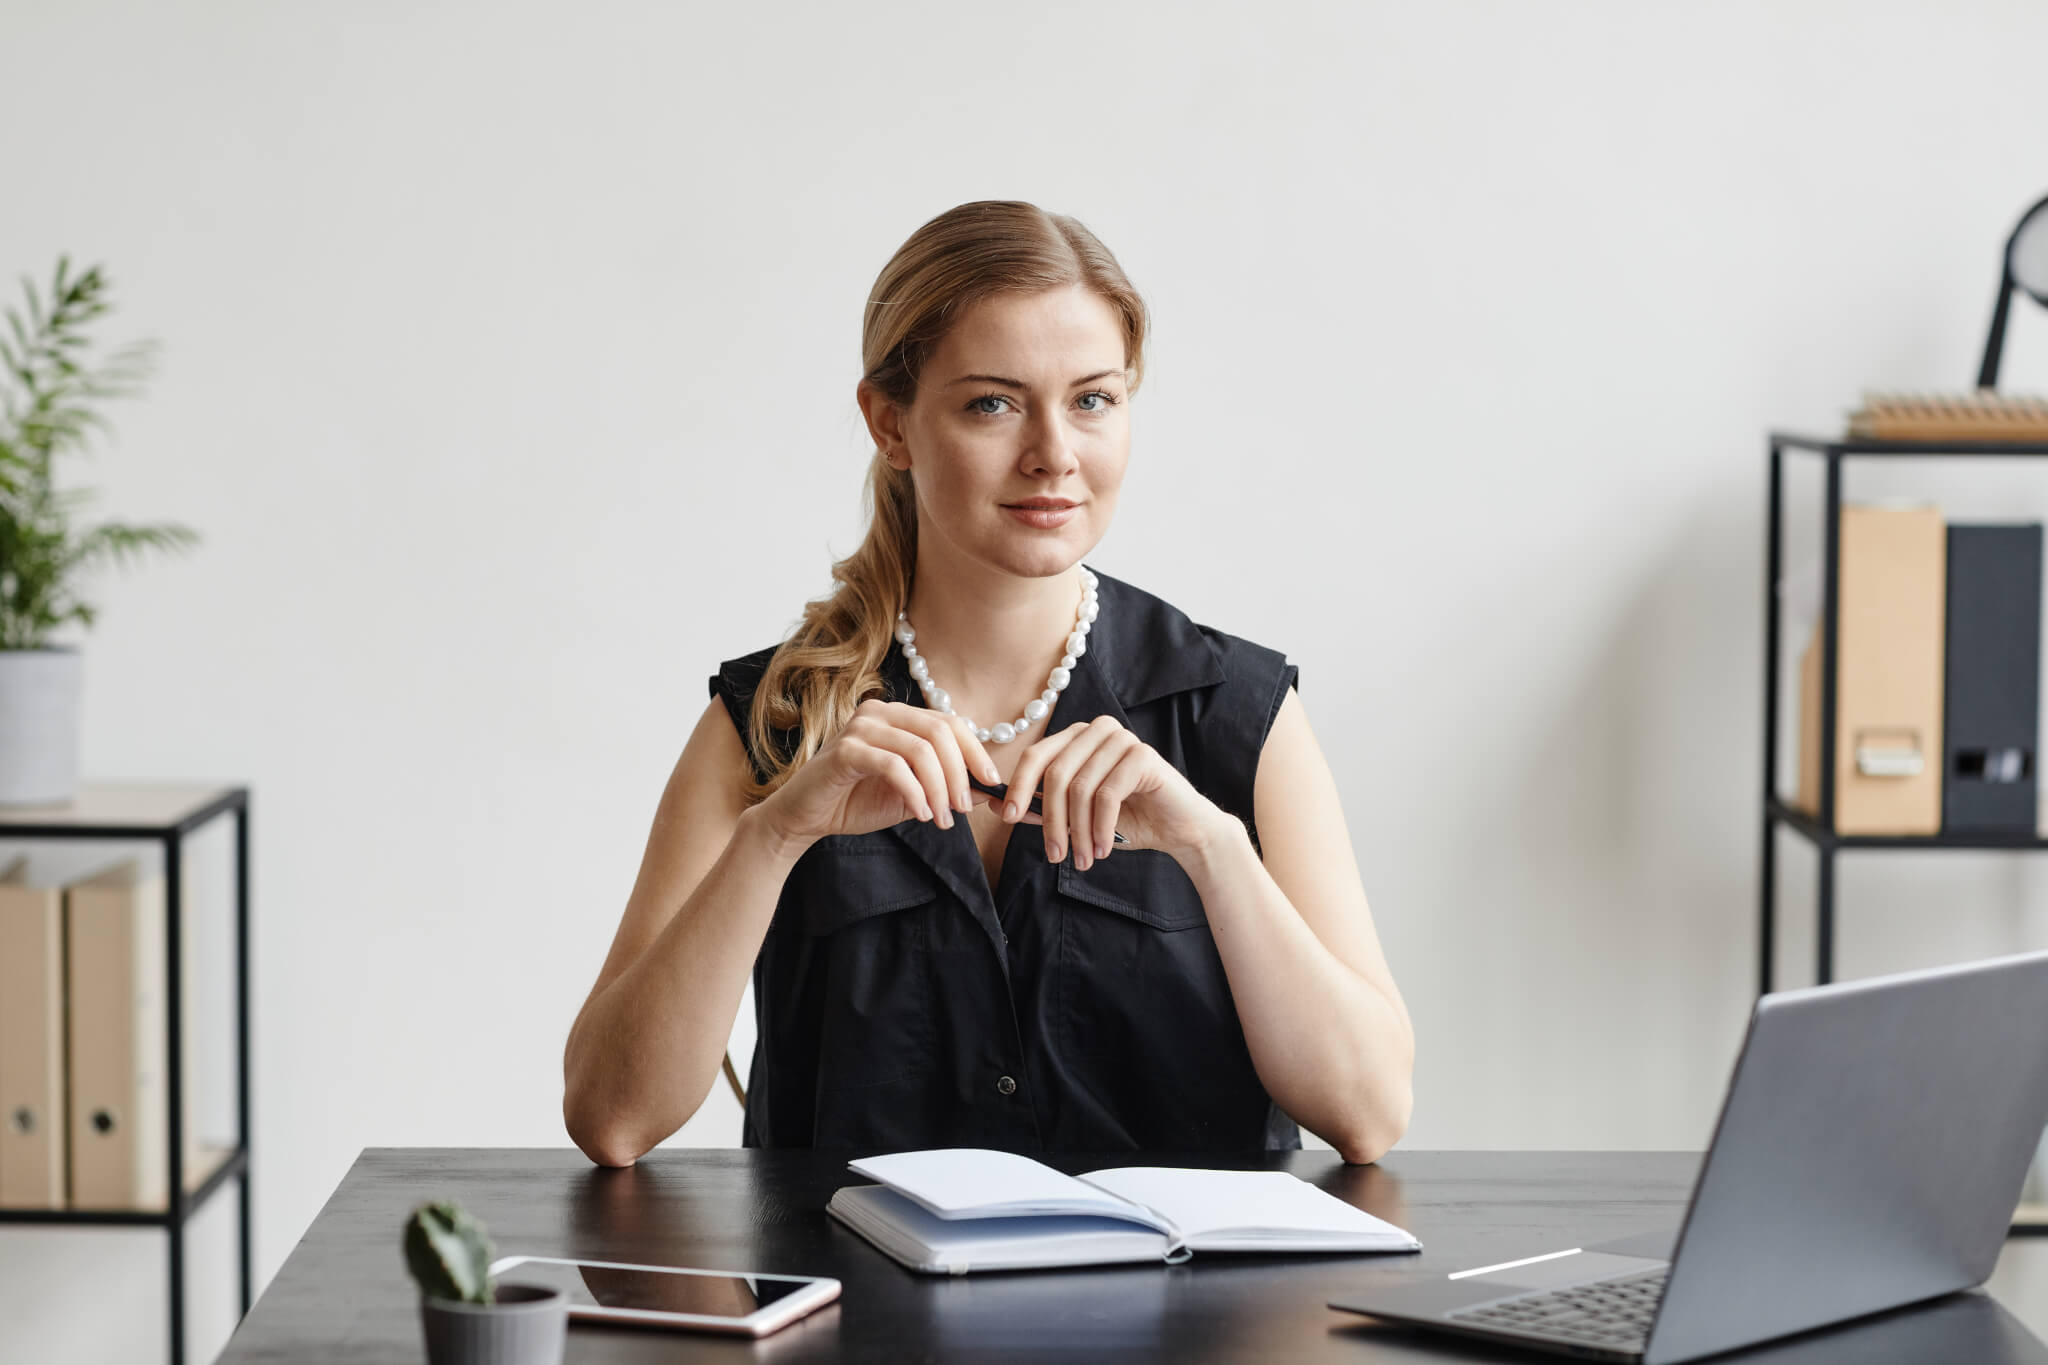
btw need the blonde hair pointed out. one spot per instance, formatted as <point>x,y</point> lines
<point>831,662</point>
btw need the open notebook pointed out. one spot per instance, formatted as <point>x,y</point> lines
<point>960,1209</point>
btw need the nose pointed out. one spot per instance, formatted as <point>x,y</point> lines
<point>1048,447</point>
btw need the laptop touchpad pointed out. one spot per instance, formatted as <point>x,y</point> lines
<point>1563,1270</point>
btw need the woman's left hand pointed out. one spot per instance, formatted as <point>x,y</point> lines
<point>1099,779</point>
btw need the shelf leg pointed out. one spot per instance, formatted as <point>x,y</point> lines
<point>242,1036</point>
<point>1831,628</point>
<point>1767,915</point>
<point>174,1135</point>
<point>1830,717</point>
<point>1824,920</point>
<point>176,1232</point>
<point>1774,516</point>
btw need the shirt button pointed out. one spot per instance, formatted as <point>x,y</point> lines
<point>1006,1086</point>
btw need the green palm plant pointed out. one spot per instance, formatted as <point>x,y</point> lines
<point>49,392</point>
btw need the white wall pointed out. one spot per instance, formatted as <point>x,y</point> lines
<point>503,341</point>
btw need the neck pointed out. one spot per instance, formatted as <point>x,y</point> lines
<point>991,637</point>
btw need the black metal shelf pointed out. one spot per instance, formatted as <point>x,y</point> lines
<point>1802,822</point>
<point>1818,827</point>
<point>235,1161</point>
<point>1861,446</point>
<point>166,814</point>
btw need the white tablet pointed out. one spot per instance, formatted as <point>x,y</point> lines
<point>745,1303</point>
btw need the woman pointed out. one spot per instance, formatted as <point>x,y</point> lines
<point>1179,957</point>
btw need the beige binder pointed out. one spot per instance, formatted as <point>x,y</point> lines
<point>114,926</point>
<point>1888,676</point>
<point>32,1156</point>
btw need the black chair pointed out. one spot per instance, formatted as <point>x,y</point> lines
<point>2026,268</point>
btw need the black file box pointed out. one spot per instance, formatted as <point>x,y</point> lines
<point>1992,686</point>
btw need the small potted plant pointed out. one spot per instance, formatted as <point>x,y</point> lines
<point>469,1320</point>
<point>48,406</point>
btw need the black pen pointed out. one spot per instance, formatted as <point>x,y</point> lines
<point>1001,791</point>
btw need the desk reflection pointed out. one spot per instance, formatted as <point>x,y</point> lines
<point>649,1212</point>
<point>1372,1188</point>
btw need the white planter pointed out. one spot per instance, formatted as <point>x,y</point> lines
<point>40,692</point>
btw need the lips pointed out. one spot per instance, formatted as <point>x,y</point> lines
<point>1046,515</point>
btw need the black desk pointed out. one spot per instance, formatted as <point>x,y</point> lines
<point>344,1296</point>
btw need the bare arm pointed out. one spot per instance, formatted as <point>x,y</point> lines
<point>1327,1028</point>
<point>645,1048</point>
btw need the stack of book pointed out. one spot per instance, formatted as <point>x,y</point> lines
<point>1981,415</point>
<point>83,1031</point>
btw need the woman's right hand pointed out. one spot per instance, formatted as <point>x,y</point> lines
<point>890,763</point>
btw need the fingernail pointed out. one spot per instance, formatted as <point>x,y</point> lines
<point>991,774</point>
<point>927,814</point>
<point>1009,810</point>
<point>945,818</point>
<point>1053,854</point>
<point>1102,850</point>
<point>965,801</point>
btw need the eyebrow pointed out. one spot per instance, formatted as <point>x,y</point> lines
<point>1020,384</point>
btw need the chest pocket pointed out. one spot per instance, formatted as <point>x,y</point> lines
<point>1139,884</point>
<point>1139,975</point>
<point>863,904</point>
<point>846,878</point>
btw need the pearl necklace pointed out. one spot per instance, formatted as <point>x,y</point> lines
<point>1034,710</point>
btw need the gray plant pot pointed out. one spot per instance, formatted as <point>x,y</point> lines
<point>40,691</point>
<point>528,1325</point>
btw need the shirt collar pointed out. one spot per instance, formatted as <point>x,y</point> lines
<point>1146,647</point>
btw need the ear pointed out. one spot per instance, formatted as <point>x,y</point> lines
<point>885,423</point>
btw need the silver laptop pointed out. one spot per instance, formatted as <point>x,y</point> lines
<point>1870,1151</point>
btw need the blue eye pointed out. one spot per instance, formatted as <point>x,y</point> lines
<point>974,405</point>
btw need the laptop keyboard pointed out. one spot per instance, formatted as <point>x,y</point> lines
<point>1612,1313</point>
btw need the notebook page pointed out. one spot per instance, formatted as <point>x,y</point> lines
<point>971,1182</point>
<point>1252,1210</point>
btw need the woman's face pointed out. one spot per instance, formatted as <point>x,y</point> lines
<point>1025,399</point>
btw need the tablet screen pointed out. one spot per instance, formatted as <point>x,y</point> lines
<point>713,1295</point>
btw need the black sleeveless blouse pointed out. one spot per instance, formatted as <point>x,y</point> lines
<point>900,1005</point>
